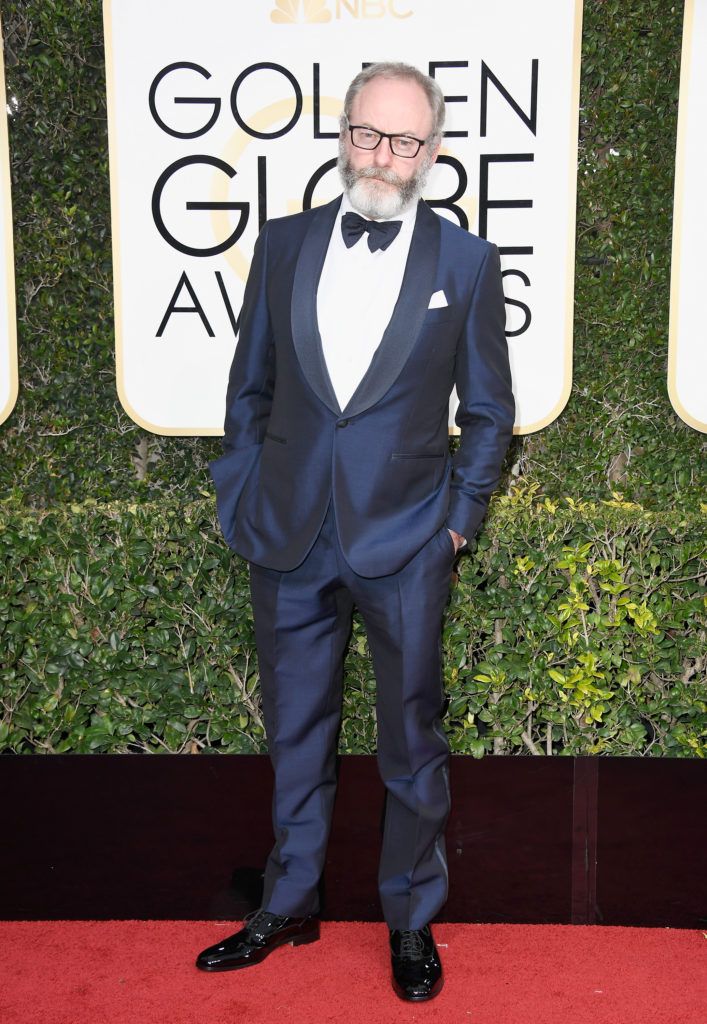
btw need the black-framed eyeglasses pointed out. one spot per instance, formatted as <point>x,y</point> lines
<point>400,145</point>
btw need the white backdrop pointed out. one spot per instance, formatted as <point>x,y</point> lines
<point>687,362</point>
<point>8,322</point>
<point>226,103</point>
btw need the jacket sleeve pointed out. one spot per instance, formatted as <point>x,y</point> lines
<point>249,395</point>
<point>252,377</point>
<point>486,406</point>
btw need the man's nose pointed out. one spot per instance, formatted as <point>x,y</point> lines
<point>383,154</point>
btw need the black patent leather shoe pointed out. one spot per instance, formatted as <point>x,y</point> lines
<point>263,932</point>
<point>417,972</point>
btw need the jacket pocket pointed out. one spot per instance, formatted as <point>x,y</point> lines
<point>274,437</point>
<point>418,455</point>
<point>439,315</point>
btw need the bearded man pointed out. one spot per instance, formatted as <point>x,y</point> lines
<point>337,486</point>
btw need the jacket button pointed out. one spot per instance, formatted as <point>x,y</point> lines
<point>342,423</point>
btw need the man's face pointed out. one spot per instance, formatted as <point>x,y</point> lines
<point>378,183</point>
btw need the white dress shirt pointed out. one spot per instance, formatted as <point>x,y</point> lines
<point>356,297</point>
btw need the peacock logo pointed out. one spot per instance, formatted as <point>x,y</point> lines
<point>289,12</point>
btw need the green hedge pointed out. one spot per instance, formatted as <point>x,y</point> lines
<point>572,629</point>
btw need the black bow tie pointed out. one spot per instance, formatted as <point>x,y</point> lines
<point>380,233</point>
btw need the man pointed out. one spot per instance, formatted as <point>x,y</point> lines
<point>337,486</point>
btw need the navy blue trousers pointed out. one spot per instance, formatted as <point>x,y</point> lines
<point>302,623</point>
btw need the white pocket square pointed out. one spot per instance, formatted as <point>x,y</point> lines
<point>438,300</point>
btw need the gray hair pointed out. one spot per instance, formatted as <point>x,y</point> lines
<point>396,69</point>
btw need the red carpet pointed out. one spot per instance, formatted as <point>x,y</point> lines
<point>115,972</point>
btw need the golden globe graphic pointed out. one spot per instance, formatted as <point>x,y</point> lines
<point>212,133</point>
<point>8,323</point>
<point>687,352</point>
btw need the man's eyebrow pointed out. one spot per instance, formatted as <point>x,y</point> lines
<point>367,124</point>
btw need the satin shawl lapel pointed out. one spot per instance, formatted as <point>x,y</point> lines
<point>305,329</point>
<point>405,324</point>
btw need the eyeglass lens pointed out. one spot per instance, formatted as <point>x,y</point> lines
<point>401,145</point>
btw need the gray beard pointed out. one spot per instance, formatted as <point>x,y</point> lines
<point>373,199</point>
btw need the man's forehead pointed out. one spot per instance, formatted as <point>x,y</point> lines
<point>401,99</point>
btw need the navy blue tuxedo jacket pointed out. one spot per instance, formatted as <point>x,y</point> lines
<point>383,460</point>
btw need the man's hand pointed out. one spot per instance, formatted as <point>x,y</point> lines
<point>458,540</point>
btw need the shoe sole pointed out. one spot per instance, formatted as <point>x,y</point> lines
<point>298,940</point>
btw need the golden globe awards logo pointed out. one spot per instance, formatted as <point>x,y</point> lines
<point>318,12</point>
<point>212,134</point>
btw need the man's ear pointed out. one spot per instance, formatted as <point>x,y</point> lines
<point>434,151</point>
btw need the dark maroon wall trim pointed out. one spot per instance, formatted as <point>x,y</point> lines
<point>556,840</point>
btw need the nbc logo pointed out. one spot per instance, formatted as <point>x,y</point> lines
<point>290,12</point>
<point>287,12</point>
